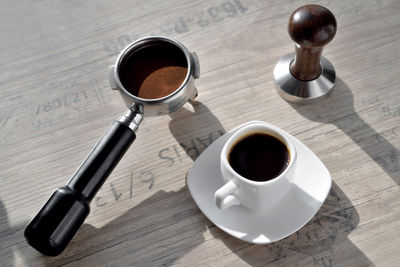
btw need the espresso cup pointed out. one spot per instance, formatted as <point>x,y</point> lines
<point>256,191</point>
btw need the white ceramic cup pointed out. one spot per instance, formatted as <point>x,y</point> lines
<point>254,195</point>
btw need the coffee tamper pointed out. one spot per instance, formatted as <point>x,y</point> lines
<point>305,76</point>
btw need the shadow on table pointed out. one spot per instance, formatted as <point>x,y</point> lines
<point>163,227</point>
<point>168,225</point>
<point>11,238</point>
<point>196,130</point>
<point>156,232</point>
<point>318,240</point>
<point>321,242</point>
<point>338,109</point>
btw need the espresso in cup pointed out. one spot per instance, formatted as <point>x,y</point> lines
<point>259,157</point>
<point>258,166</point>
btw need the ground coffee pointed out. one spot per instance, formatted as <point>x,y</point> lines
<point>154,71</point>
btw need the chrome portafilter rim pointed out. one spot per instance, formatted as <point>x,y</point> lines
<point>127,51</point>
<point>166,104</point>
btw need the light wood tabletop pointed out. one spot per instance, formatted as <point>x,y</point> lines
<point>55,104</point>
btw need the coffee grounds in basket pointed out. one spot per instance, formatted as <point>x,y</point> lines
<point>154,71</point>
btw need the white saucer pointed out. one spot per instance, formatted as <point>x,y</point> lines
<point>310,187</point>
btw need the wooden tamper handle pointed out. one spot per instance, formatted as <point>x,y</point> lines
<point>311,27</point>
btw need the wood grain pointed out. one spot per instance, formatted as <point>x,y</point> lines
<point>55,104</point>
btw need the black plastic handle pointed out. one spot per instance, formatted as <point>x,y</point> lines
<point>60,218</point>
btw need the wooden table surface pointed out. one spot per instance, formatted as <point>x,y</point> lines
<point>55,103</point>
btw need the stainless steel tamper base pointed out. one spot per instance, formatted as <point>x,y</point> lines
<point>303,92</point>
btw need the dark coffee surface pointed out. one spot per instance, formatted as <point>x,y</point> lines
<point>154,71</point>
<point>259,157</point>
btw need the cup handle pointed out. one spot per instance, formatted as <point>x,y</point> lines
<point>223,197</point>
